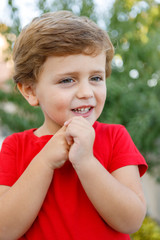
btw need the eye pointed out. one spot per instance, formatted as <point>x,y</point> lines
<point>66,80</point>
<point>96,78</point>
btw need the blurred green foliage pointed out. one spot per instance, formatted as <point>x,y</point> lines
<point>150,230</point>
<point>134,86</point>
<point>20,115</point>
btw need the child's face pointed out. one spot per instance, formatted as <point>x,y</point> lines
<point>71,86</point>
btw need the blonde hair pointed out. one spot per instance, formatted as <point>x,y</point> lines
<point>57,34</point>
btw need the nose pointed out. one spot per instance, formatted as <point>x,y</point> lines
<point>85,90</point>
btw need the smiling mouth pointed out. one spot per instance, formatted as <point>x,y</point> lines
<point>82,110</point>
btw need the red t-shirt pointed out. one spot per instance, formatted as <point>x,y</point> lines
<point>67,213</point>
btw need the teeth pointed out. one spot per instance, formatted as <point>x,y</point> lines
<point>82,110</point>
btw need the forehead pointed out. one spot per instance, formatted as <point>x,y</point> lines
<point>76,61</point>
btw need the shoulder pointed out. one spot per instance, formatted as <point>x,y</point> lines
<point>106,138</point>
<point>105,126</point>
<point>113,134</point>
<point>114,141</point>
<point>20,134</point>
<point>109,130</point>
<point>17,137</point>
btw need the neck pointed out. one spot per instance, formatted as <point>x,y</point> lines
<point>46,130</point>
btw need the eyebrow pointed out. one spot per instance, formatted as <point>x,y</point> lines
<point>77,73</point>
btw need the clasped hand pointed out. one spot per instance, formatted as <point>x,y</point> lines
<point>73,142</point>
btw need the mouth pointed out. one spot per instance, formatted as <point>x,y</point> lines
<point>82,110</point>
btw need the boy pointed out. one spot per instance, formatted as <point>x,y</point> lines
<point>72,178</point>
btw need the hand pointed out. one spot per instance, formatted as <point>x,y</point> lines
<point>80,136</point>
<point>55,152</point>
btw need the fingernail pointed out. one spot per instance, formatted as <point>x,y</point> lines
<point>65,124</point>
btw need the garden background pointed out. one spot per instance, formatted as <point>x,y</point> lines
<point>133,88</point>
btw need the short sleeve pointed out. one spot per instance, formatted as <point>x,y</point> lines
<point>8,162</point>
<point>125,152</point>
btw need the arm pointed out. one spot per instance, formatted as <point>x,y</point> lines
<point>120,204</point>
<point>20,204</point>
<point>118,197</point>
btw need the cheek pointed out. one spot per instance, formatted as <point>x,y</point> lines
<point>102,96</point>
<point>61,102</point>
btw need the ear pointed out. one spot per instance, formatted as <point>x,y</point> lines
<point>28,93</point>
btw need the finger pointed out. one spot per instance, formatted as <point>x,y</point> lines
<point>67,122</point>
<point>69,139</point>
<point>63,128</point>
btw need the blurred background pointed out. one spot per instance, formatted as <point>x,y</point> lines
<point>133,88</point>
